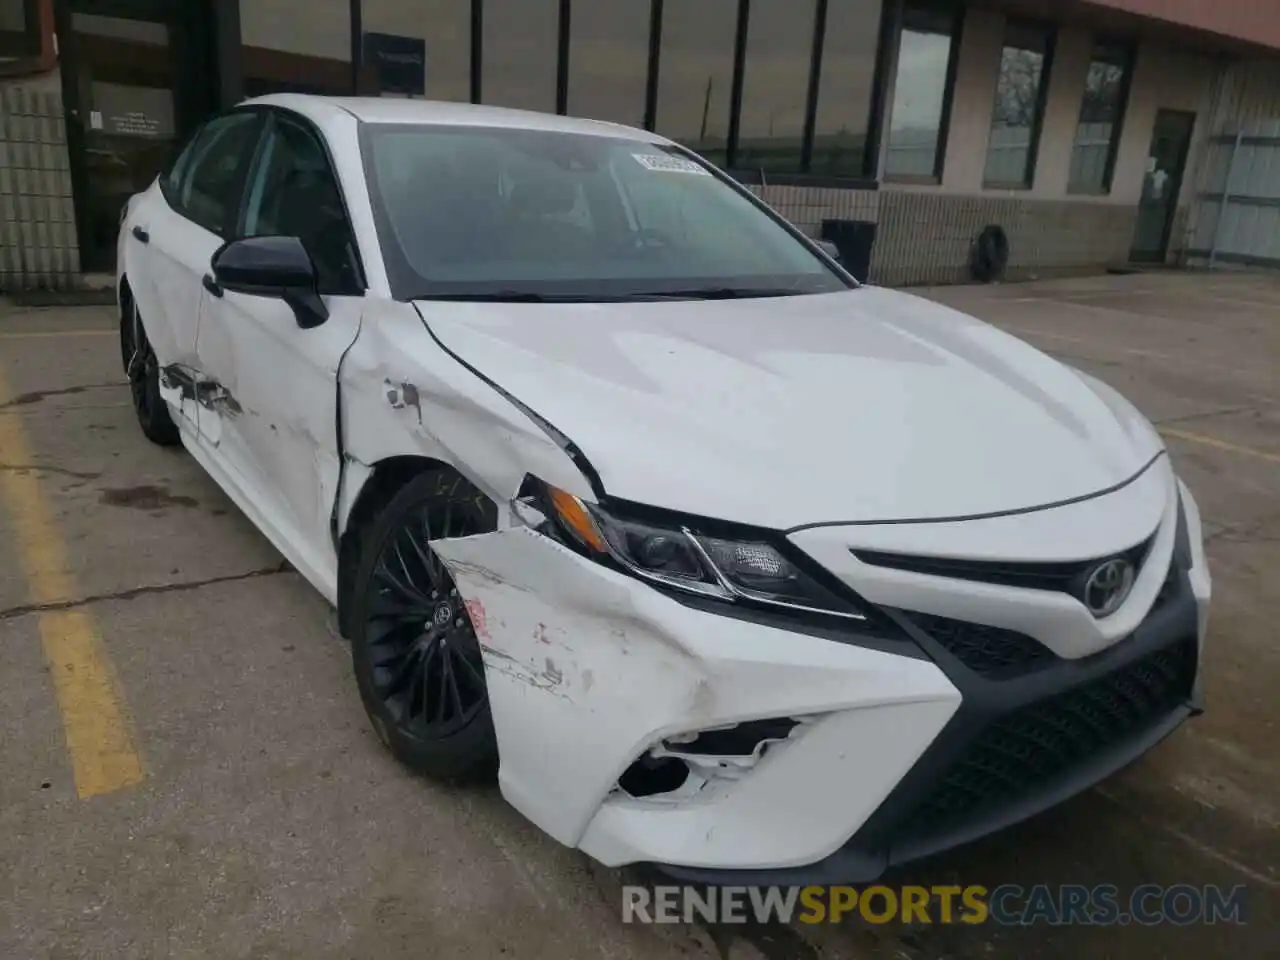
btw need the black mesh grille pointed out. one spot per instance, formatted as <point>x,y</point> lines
<point>993,652</point>
<point>1027,749</point>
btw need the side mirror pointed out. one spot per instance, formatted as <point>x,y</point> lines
<point>830,249</point>
<point>272,267</point>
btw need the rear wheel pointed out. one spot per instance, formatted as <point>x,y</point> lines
<point>415,652</point>
<point>143,370</point>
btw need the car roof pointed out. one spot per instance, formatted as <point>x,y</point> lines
<point>445,113</point>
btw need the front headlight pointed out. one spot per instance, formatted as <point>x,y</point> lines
<point>679,557</point>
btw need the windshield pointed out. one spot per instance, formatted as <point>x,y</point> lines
<point>496,213</point>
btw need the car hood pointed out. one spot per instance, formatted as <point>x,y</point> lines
<point>860,406</point>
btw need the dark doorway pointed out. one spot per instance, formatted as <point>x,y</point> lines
<point>1161,184</point>
<point>137,77</point>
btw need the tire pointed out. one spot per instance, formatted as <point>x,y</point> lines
<point>990,255</point>
<point>143,370</point>
<point>414,651</point>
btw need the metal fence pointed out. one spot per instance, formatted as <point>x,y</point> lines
<point>1237,220</point>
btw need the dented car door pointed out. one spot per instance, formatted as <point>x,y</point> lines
<point>178,224</point>
<point>268,403</point>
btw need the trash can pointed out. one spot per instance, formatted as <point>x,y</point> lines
<point>854,239</point>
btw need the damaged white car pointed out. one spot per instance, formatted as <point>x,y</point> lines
<point>626,491</point>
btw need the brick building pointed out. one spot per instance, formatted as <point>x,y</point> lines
<point>1083,129</point>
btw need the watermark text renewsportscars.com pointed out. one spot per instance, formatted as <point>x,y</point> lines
<point>1006,905</point>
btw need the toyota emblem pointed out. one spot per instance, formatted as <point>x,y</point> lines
<point>1108,586</point>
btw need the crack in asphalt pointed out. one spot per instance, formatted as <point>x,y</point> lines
<point>35,396</point>
<point>28,608</point>
<point>40,468</point>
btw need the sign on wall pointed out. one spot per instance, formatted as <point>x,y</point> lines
<point>131,111</point>
<point>401,62</point>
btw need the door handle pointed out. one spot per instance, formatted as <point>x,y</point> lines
<point>212,285</point>
<point>141,235</point>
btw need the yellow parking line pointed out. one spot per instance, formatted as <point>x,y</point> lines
<point>95,719</point>
<point>1220,444</point>
<point>31,334</point>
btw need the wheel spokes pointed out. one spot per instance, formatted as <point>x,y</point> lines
<point>426,661</point>
<point>455,695</point>
<point>407,591</point>
<point>402,675</point>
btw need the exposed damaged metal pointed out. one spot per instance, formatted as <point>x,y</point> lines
<point>177,376</point>
<point>216,398</point>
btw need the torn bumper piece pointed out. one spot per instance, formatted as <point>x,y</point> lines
<point>641,729</point>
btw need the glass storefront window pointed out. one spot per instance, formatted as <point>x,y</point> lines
<point>695,77</point>
<point>286,47</point>
<point>609,60</point>
<point>521,45</point>
<point>1015,120</point>
<point>845,89</point>
<point>417,48</point>
<point>917,118</point>
<point>775,85</point>
<point>1101,113</point>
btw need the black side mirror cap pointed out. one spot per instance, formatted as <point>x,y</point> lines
<point>277,267</point>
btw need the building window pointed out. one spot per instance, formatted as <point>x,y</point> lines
<point>1019,105</point>
<point>521,52</point>
<point>1101,113</point>
<point>842,119</point>
<point>609,60</point>
<point>775,95</point>
<point>283,51</point>
<point>19,29</point>
<point>922,91</point>
<point>695,77</point>
<point>418,48</point>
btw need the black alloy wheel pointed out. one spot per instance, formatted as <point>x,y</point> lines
<point>417,658</point>
<point>143,370</point>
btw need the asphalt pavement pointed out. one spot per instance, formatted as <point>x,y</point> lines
<point>186,769</point>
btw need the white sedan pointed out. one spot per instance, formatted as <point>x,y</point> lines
<point>627,493</point>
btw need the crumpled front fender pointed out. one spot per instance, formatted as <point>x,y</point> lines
<point>588,668</point>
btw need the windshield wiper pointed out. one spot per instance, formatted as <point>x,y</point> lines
<point>719,293</point>
<point>695,293</point>
<point>497,296</point>
<point>521,296</point>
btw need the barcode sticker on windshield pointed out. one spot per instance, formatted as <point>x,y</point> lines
<point>665,164</point>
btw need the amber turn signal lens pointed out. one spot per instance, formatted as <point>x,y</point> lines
<point>574,516</point>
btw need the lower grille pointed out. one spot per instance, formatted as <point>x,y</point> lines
<point>1025,750</point>
<point>992,652</point>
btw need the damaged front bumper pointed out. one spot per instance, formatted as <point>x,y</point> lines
<point>591,671</point>
<point>754,749</point>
